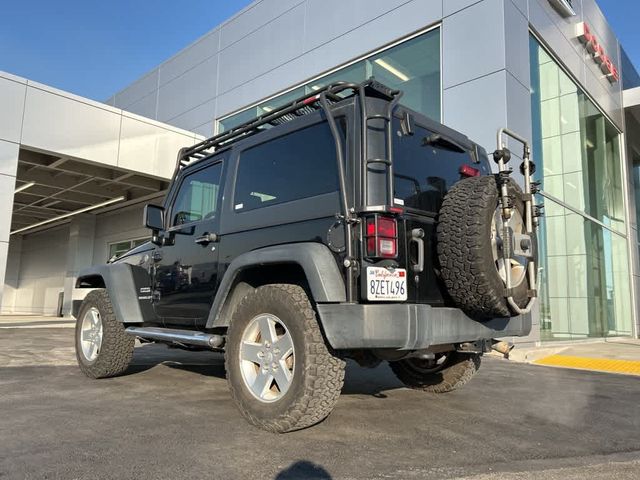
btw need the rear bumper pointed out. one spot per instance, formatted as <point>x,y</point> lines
<point>410,326</point>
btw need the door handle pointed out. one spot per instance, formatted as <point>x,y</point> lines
<point>206,239</point>
<point>417,235</point>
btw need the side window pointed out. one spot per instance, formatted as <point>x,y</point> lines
<point>198,196</point>
<point>298,165</point>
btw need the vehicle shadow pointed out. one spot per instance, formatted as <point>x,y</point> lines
<point>358,380</point>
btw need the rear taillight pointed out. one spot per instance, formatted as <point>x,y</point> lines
<point>381,237</point>
<point>469,171</point>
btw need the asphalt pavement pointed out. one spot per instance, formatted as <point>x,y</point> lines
<point>171,417</point>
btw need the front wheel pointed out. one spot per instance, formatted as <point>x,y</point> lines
<point>281,374</point>
<point>448,371</point>
<point>103,349</point>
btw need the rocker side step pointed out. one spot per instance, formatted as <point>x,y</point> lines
<point>187,337</point>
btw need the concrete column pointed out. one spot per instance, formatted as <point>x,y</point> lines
<point>486,80</point>
<point>8,170</point>
<point>12,98</point>
<point>12,275</point>
<point>79,254</point>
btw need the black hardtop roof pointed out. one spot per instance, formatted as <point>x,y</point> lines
<point>309,103</point>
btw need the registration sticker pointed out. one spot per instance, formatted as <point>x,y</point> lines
<point>386,284</point>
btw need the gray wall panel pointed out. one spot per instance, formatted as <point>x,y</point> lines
<point>453,6</point>
<point>197,116</point>
<point>256,16</point>
<point>115,227</point>
<point>523,6</point>
<point>8,158</point>
<point>517,43</point>
<point>262,50</point>
<point>399,22</point>
<point>190,57</point>
<point>42,271</point>
<point>189,90</point>
<point>339,17</point>
<point>477,108</point>
<point>137,90</point>
<point>146,106</point>
<point>473,43</point>
<point>12,97</point>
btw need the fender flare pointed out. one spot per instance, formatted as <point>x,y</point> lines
<point>318,263</point>
<point>122,282</point>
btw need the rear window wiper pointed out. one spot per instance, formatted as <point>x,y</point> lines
<point>435,139</point>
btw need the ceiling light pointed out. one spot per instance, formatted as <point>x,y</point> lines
<point>267,109</point>
<point>392,69</point>
<point>24,187</point>
<point>315,88</point>
<point>70,214</point>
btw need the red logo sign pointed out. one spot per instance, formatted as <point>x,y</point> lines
<point>597,52</point>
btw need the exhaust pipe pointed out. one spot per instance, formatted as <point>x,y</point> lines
<point>186,337</point>
<point>502,347</point>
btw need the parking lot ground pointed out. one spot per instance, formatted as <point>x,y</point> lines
<point>171,417</point>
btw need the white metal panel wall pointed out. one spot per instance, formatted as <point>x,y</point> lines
<point>43,261</point>
<point>115,227</point>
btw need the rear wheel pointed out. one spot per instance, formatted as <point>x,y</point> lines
<point>103,349</point>
<point>281,374</point>
<point>448,371</point>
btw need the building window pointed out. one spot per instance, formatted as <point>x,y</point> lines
<point>286,169</point>
<point>412,66</point>
<point>120,248</point>
<point>584,268</point>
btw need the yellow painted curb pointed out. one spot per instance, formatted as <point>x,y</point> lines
<point>629,367</point>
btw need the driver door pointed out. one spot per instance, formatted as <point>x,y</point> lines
<point>186,267</point>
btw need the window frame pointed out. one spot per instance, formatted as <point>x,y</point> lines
<point>174,195</point>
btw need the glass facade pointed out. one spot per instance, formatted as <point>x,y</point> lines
<point>584,265</point>
<point>413,66</point>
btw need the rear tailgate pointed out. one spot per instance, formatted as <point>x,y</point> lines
<point>426,164</point>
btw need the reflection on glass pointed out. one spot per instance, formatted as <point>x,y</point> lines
<point>412,66</point>
<point>584,279</point>
<point>584,273</point>
<point>579,149</point>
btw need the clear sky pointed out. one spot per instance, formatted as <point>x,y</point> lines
<point>624,16</point>
<point>95,48</point>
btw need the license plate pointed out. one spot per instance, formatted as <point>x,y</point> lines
<point>386,285</point>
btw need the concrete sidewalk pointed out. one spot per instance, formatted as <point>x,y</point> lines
<point>36,321</point>
<point>613,355</point>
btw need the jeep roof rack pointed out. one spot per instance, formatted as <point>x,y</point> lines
<point>290,111</point>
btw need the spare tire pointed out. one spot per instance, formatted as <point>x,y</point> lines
<point>470,248</point>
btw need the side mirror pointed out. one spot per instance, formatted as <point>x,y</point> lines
<point>154,217</point>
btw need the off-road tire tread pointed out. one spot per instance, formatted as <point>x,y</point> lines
<point>461,234</point>
<point>324,369</point>
<point>460,370</point>
<point>117,347</point>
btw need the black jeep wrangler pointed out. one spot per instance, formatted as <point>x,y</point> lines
<point>342,225</point>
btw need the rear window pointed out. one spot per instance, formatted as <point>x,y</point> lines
<point>424,173</point>
<point>298,165</point>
